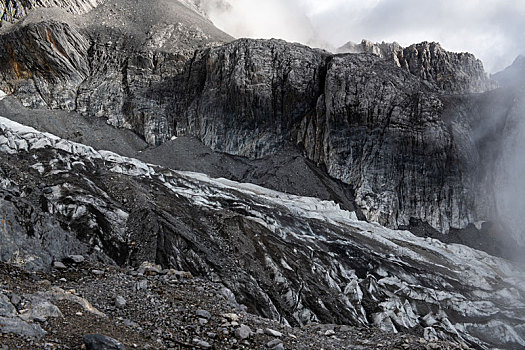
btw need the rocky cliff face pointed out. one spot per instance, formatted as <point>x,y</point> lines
<point>44,62</point>
<point>102,66</point>
<point>449,71</point>
<point>394,135</point>
<point>383,130</point>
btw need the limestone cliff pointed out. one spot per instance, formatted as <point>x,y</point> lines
<point>407,137</point>
<point>399,130</point>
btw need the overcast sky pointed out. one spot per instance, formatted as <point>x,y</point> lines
<point>494,30</point>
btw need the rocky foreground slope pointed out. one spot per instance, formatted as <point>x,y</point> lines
<point>157,309</point>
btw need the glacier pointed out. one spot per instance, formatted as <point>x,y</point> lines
<point>370,274</point>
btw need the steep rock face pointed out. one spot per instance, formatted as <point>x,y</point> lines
<point>13,10</point>
<point>454,72</point>
<point>110,63</point>
<point>382,130</point>
<point>253,94</point>
<point>31,239</point>
<point>449,71</point>
<point>372,125</point>
<point>44,63</point>
<point>291,258</point>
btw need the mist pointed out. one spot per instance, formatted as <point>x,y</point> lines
<point>510,172</point>
<point>493,30</point>
<point>265,19</point>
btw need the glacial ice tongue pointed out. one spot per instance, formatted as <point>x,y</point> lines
<point>325,264</point>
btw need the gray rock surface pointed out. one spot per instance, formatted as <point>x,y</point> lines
<point>273,333</point>
<point>13,10</point>
<point>273,343</point>
<point>449,71</point>
<point>243,332</point>
<point>203,313</point>
<point>40,310</point>
<point>75,259</point>
<point>19,327</point>
<point>101,342</point>
<point>34,246</point>
<point>120,301</point>
<point>201,343</point>
<point>6,308</point>
<point>384,131</point>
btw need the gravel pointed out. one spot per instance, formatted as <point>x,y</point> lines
<point>163,313</point>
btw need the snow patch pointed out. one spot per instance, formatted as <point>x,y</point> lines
<point>479,225</point>
<point>2,95</point>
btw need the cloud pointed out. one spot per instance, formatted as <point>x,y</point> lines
<point>494,30</point>
<point>509,180</point>
<point>261,19</point>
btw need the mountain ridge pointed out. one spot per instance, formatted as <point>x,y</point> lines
<point>450,71</point>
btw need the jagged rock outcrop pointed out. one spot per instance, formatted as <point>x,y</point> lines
<point>44,63</point>
<point>449,71</point>
<point>253,94</point>
<point>105,64</point>
<point>12,10</point>
<point>383,130</point>
<point>383,50</point>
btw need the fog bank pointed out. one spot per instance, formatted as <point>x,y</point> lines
<point>493,30</point>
